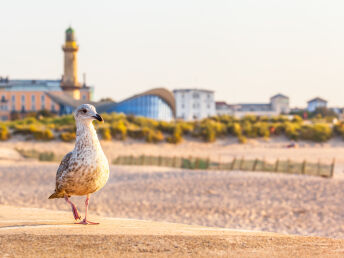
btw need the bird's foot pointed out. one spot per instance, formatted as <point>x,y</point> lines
<point>87,222</point>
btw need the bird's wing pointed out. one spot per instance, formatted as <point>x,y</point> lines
<point>63,166</point>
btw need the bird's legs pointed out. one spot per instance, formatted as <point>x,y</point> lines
<point>74,209</point>
<point>85,221</point>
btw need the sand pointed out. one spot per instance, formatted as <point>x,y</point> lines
<point>288,204</point>
<point>291,204</point>
<point>224,149</point>
<point>43,233</point>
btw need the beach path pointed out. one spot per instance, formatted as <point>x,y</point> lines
<point>33,232</point>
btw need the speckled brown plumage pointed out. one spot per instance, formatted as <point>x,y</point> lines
<point>85,170</point>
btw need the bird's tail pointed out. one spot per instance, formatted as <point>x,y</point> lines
<point>56,195</point>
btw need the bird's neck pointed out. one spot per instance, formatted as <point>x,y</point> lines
<point>86,135</point>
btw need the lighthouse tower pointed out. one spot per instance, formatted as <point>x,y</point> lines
<point>69,82</point>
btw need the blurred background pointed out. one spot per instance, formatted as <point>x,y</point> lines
<point>225,113</point>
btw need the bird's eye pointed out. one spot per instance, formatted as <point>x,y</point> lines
<point>84,111</point>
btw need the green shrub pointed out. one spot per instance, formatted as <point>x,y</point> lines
<point>135,132</point>
<point>208,133</point>
<point>105,133</point>
<point>67,136</point>
<point>249,118</point>
<point>242,139</point>
<point>186,127</point>
<point>261,129</point>
<point>45,135</point>
<point>292,130</point>
<point>153,135</point>
<point>177,135</point>
<point>317,132</point>
<point>64,120</point>
<point>235,129</point>
<point>4,133</point>
<point>166,127</point>
<point>23,129</point>
<point>339,129</point>
<point>118,130</point>
<point>248,129</point>
<point>297,119</point>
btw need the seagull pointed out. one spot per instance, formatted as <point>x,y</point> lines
<point>84,170</point>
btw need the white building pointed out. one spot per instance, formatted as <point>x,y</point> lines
<point>194,104</point>
<point>316,103</point>
<point>279,104</point>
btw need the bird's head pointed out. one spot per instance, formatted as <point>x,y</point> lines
<point>87,112</point>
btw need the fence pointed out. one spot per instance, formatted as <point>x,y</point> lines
<point>279,166</point>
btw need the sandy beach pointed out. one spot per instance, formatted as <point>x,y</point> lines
<point>280,203</point>
<point>235,202</point>
<point>46,233</point>
<point>223,149</point>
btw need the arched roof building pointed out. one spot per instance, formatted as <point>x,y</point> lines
<point>157,104</point>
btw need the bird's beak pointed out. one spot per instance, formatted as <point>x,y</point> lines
<point>98,117</point>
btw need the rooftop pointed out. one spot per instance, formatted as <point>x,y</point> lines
<point>195,89</point>
<point>279,95</point>
<point>29,85</point>
<point>317,99</point>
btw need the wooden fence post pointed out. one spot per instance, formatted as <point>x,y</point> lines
<point>263,165</point>
<point>318,167</point>
<point>197,162</point>
<point>191,164</point>
<point>288,166</point>
<point>174,161</point>
<point>276,165</point>
<point>131,160</point>
<point>179,162</point>
<point>207,163</point>
<point>303,168</point>
<point>241,163</point>
<point>233,163</point>
<point>159,160</point>
<point>255,165</point>
<point>332,167</point>
<point>219,165</point>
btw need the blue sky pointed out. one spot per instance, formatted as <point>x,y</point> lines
<point>244,50</point>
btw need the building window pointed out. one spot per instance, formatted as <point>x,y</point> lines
<point>196,105</point>
<point>23,99</point>
<point>3,98</point>
<point>33,102</point>
<point>13,107</point>
<point>13,98</point>
<point>53,107</point>
<point>195,95</point>
<point>42,102</point>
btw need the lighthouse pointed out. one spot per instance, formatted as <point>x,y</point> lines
<point>70,83</point>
